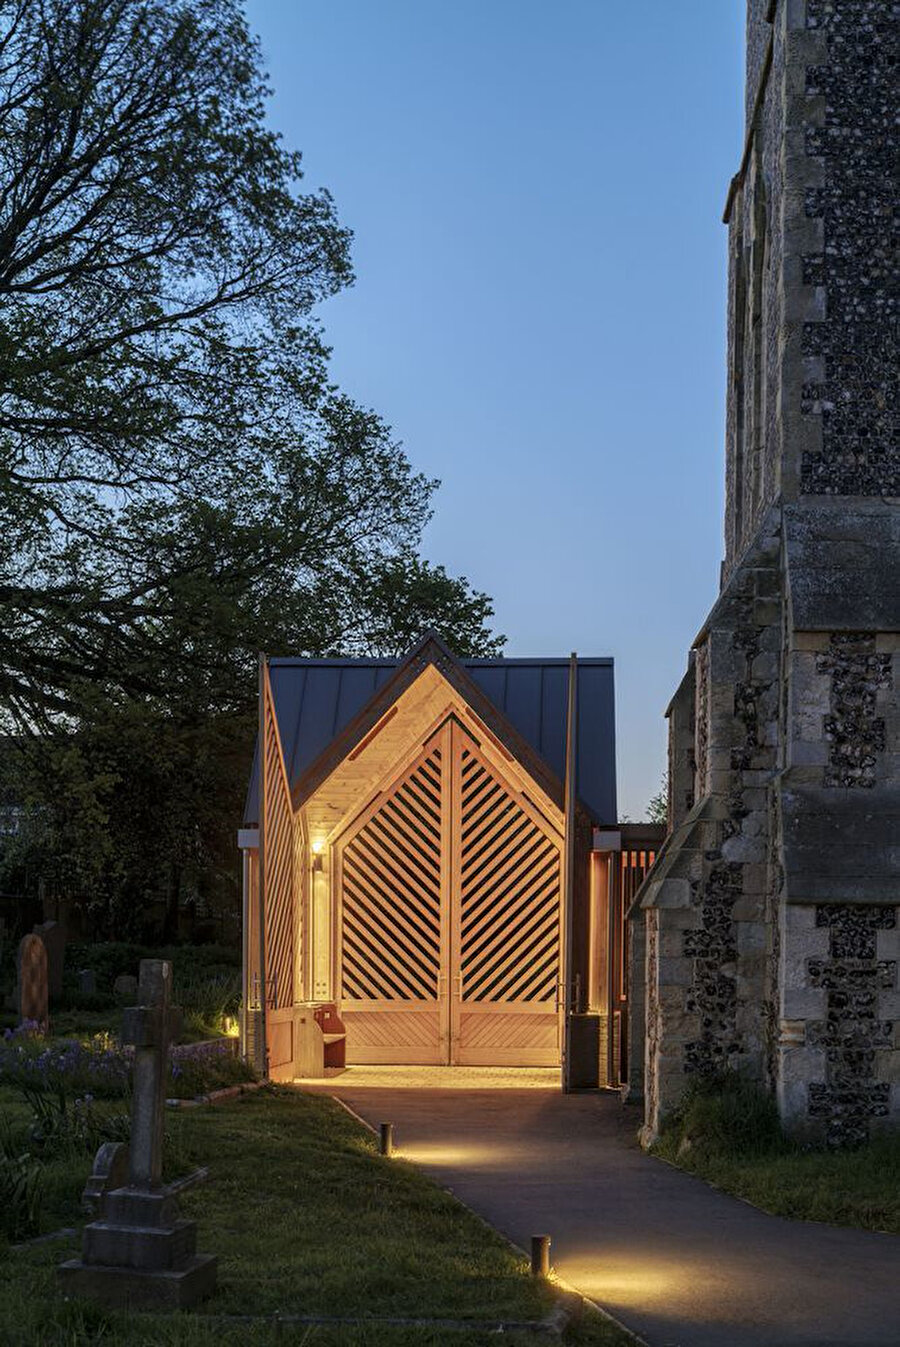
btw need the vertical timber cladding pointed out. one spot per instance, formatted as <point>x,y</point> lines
<point>278,861</point>
<point>450,926</point>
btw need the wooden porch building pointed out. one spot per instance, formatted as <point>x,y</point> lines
<point>432,870</point>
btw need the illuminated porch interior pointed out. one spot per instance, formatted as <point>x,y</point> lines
<point>380,947</point>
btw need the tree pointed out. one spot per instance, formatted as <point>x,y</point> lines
<point>169,437</point>
<point>658,809</point>
<point>181,483</point>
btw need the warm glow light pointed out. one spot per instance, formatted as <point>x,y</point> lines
<point>622,1281</point>
<point>457,1155</point>
<point>318,847</point>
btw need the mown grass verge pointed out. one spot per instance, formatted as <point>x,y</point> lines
<point>727,1132</point>
<point>307,1219</point>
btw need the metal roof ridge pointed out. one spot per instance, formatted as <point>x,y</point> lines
<point>337,661</point>
<point>378,661</point>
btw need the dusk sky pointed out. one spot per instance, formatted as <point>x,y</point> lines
<point>536,194</point>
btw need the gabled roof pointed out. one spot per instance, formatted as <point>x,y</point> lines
<point>317,701</point>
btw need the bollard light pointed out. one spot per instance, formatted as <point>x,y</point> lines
<point>540,1255</point>
<point>386,1139</point>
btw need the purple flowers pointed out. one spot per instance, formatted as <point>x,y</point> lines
<point>27,1029</point>
<point>97,1067</point>
<point>101,1066</point>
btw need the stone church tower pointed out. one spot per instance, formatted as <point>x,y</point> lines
<point>768,929</point>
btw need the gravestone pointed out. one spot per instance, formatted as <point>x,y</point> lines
<point>32,995</point>
<point>110,1170</point>
<point>125,986</point>
<point>87,981</point>
<point>139,1251</point>
<point>54,938</point>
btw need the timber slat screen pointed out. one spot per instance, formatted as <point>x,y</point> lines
<point>391,954</point>
<point>509,919</point>
<point>450,920</point>
<point>640,844</point>
<point>277,860</point>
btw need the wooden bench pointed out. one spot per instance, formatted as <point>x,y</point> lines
<point>319,1039</point>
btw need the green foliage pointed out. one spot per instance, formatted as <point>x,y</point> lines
<point>210,1003</point>
<point>95,1067</point>
<point>726,1130</point>
<point>657,810</point>
<point>192,965</point>
<point>181,483</point>
<point>406,597</point>
<point>21,1195</point>
<point>63,1126</point>
<point>198,1071</point>
<point>725,1115</point>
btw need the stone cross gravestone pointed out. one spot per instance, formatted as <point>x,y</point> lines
<point>32,992</point>
<point>54,938</point>
<point>139,1251</point>
<point>149,1028</point>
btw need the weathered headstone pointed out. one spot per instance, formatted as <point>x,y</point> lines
<point>32,993</point>
<point>125,987</point>
<point>139,1251</point>
<point>87,981</point>
<point>110,1170</point>
<point>54,938</point>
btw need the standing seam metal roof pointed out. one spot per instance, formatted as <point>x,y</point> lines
<point>315,699</point>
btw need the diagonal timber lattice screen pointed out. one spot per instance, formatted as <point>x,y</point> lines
<point>392,894</point>
<point>450,917</point>
<point>509,895</point>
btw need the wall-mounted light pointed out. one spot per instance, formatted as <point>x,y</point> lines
<point>317,848</point>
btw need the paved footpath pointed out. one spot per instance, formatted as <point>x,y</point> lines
<point>675,1261</point>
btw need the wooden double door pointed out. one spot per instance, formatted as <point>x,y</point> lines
<point>449,923</point>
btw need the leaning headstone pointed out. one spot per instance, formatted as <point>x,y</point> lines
<point>87,981</point>
<point>125,987</point>
<point>54,938</point>
<point>139,1251</point>
<point>32,994</point>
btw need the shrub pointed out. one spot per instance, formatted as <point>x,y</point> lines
<point>62,1127</point>
<point>190,963</point>
<point>101,1068</point>
<point>21,1195</point>
<point>726,1114</point>
<point>208,1001</point>
<point>97,1067</point>
<point>197,1069</point>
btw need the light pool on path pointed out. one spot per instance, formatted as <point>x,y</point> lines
<point>677,1262</point>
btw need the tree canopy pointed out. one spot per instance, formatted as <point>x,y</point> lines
<point>181,482</point>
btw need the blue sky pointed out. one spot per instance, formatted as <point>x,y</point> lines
<point>536,194</point>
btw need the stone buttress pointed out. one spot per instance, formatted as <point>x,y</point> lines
<point>772,913</point>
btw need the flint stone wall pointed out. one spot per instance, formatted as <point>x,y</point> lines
<point>774,902</point>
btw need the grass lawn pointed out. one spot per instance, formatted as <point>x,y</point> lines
<point>856,1188</point>
<point>727,1131</point>
<point>306,1218</point>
